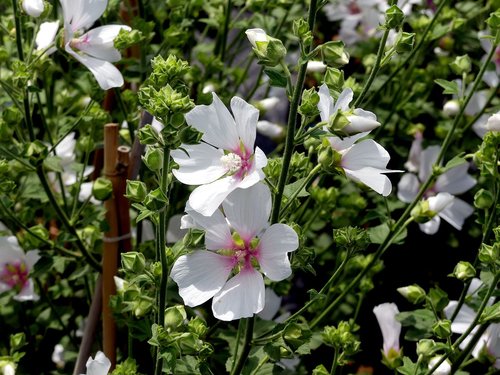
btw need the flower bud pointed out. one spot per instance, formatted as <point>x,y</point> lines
<point>148,135</point>
<point>405,42</point>
<point>334,79</point>
<point>102,189</point>
<point>156,200</point>
<point>493,123</point>
<point>442,328</point>
<point>333,54</point>
<point>301,30</point>
<point>338,122</point>
<point>133,261</point>
<point>197,326</point>
<point>270,51</point>
<point>8,368</point>
<point>461,65</point>
<point>136,190</point>
<point>175,316</point>
<point>153,158</point>
<point>33,8</point>
<point>309,104</point>
<point>315,67</point>
<point>413,293</point>
<point>393,17</point>
<point>488,253</point>
<point>190,136</point>
<point>258,38</point>
<point>464,271</point>
<point>451,108</point>
<point>494,21</point>
<point>426,347</point>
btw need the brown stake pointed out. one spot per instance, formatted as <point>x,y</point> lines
<point>111,241</point>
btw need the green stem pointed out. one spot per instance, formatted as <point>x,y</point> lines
<point>304,184</point>
<point>241,327</point>
<point>19,41</point>
<point>246,346</point>
<point>292,120</point>
<point>335,361</point>
<point>225,30</point>
<point>17,158</point>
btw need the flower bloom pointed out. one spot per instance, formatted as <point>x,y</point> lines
<point>226,159</point>
<point>443,369</point>
<point>236,243</point>
<point>15,267</point>
<point>46,35</point>
<point>256,36</point>
<point>390,327</point>
<point>34,8</point>
<point>487,123</point>
<point>8,369</point>
<point>98,366</point>
<point>95,48</point>
<point>454,181</point>
<point>489,342</point>
<point>359,119</point>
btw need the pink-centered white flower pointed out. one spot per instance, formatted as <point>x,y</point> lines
<point>99,365</point>
<point>15,266</point>
<point>226,159</point>
<point>489,342</point>
<point>390,327</point>
<point>453,182</point>
<point>239,246</point>
<point>94,48</point>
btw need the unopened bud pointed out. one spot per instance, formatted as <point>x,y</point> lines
<point>334,54</point>
<point>442,328</point>
<point>405,42</point>
<point>426,347</point>
<point>451,108</point>
<point>464,271</point>
<point>461,65</point>
<point>393,17</point>
<point>413,293</point>
<point>102,189</point>
<point>133,261</point>
<point>136,191</point>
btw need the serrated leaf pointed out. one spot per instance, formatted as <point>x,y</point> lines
<point>291,189</point>
<point>53,164</point>
<point>449,87</point>
<point>276,77</point>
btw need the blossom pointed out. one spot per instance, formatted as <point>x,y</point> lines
<point>226,159</point>
<point>487,123</point>
<point>454,181</point>
<point>99,365</point>
<point>46,36</point>
<point>15,267</point>
<point>490,77</point>
<point>256,36</point>
<point>443,369</point>
<point>8,369</point>
<point>390,327</point>
<point>34,8</point>
<point>489,342</point>
<point>359,119</point>
<point>235,243</point>
<point>270,129</point>
<point>95,48</point>
<point>58,356</point>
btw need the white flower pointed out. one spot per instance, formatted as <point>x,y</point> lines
<point>272,304</point>
<point>390,327</point>
<point>316,66</point>
<point>34,8</point>
<point>46,36</point>
<point>270,129</point>
<point>359,119</point>
<point>226,159</point>
<point>225,271</point>
<point>489,342</point>
<point>487,123</point>
<point>15,267</point>
<point>95,48</point>
<point>256,36</point>
<point>451,108</point>
<point>490,77</point>
<point>8,369</point>
<point>98,366</point>
<point>268,104</point>
<point>58,356</point>
<point>454,181</point>
<point>443,369</point>
<point>493,123</point>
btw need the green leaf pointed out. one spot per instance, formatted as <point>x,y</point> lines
<point>491,314</point>
<point>420,323</point>
<point>290,189</point>
<point>455,162</point>
<point>448,86</point>
<point>379,233</point>
<point>53,164</point>
<point>276,77</point>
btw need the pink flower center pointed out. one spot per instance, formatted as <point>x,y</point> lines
<point>238,163</point>
<point>244,251</point>
<point>15,275</point>
<point>354,8</point>
<point>77,43</point>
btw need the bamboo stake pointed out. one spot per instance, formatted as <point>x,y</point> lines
<point>110,253</point>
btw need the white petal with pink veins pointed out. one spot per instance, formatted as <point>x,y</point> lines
<point>247,210</point>
<point>81,14</point>
<point>200,275</point>
<point>201,165</point>
<point>275,244</point>
<point>246,117</point>
<point>241,297</point>
<point>99,42</point>
<point>216,124</point>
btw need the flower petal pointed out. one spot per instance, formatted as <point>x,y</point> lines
<point>81,14</point>
<point>275,244</point>
<point>340,144</point>
<point>248,210</point>
<point>456,180</point>
<point>201,165</point>
<point>46,34</point>
<point>440,201</point>
<point>432,226</point>
<point>325,104</point>
<point>217,231</point>
<point>343,100</point>
<point>408,187</point>
<point>200,275</point>
<point>361,121</point>
<point>99,42</point>
<point>241,297</point>
<point>427,159</point>
<point>271,306</point>
<point>105,73</point>
<point>373,178</point>
<point>246,117</point>
<point>456,213</point>
<point>205,199</point>
<point>32,257</point>
<point>463,319</point>
<point>98,366</point>
<point>390,327</point>
<point>27,293</point>
<point>216,124</point>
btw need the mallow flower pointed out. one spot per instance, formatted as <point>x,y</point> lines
<point>99,365</point>
<point>15,267</point>
<point>239,246</point>
<point>390,327</point>
<point>443,369</point>
<point>453,182</point>
<point>487,123</point>
<point>358,119</point>
<point>489,343</point>
<point>45,37</point>
<point>94,48</point>
<point>34,8</point>
<point>226,159</point>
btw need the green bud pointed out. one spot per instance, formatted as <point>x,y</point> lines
<point>190,136</point>
<point>275,52</point>
<point>40,232</point>
<point>464,271</point>
<point>328,157</point>
<point>168,71</point>
<point>337,122</point>
<point>148,135</point>
<point>334,79</point>
<point>136,190</point>
<point>488,254</point>
<point>102,189</point>
<point>12,116</point>
<point>494,21</point>
<point>301,30</point>
<point>153,158</point>
<point>198,326</point>
<point>126,39</point>
<point>426,347</point>
<point>483,199</point>
<point>37,151</point>
<point>405,42</point>
<point>17,341</point>
<point>442,328</point>
<point>413,293</point>
<point>156,200</point>
<point>175,316</point>
<point>133,261</point>
<point>491,314</point>
<point>309,103</point>
<point>421,212</point>
<point>333,54</point>
<point>394,17</point>
<point>296,334</point>
<point>461,65</point>
<point>320,370</point>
